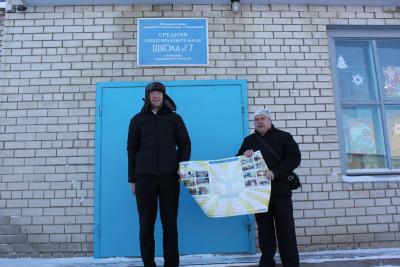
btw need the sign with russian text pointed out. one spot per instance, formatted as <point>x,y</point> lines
<point>172,42</point>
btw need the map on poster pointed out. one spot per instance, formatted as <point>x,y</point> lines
<point>228,187</point>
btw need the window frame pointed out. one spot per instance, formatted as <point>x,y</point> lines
<point>372,34</point>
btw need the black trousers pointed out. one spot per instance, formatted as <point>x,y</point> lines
<point>151,191</point>
<point>278,224</point>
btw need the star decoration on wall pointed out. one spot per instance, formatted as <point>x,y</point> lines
<point>358,79</point>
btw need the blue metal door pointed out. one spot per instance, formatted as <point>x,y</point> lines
<point>215,114</point>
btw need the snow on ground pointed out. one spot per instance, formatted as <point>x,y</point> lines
<point>354,254</point>
<point>211,260</point>
<point>70,262</point>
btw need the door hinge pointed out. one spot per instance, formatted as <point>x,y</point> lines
<point>100,111</point>
<point>243,109</point>
<point>249,226</point>
<point>98,230</point>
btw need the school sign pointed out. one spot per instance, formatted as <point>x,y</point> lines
<point>172,42</point>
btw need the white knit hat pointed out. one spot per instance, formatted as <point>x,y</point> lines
<point>263,111</point>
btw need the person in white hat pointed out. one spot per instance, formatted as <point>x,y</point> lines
<point>282,155</point>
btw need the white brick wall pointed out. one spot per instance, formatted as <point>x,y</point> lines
<point>1,32</point>
<point>53,56</point>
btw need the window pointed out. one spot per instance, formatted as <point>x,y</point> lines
<point>366,72</point>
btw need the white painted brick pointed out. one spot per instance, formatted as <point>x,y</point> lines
<point>318,196</point>
<point>54,211</point>
<point>366,219</point>
<point>376,210</point>
<point>323,204</point>
<point>16,203</point>
<point>321,239</point>
<point>346,220</point>
<point>363,237</point>
<point>377,193</point>
<point>78,238</point>
<point>42,219</point>
<point>37,238</point>
<point>339,195</point>
<point>355,211</point>
<point>325,222</point>
<point>315,231</point>
<point>72,229</point>
<point>64,238</point>
<point>53,229</point>
<point>374,228</point>
<point>343,238</point>
<point>382,202</point>
<point>346,203</point>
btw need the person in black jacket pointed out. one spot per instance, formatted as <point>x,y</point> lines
<point>277,224</point>
<point>157,141</point>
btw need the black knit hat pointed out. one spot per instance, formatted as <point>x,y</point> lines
<point>157,86</point>
<point>154,86</point>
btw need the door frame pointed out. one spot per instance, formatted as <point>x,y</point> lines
<point>100,87</point>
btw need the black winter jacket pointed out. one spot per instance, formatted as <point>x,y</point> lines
<point>156,143</point>
<point>287,149</point>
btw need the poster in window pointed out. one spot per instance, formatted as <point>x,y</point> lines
<point>394,132</point>
<point>362,138</point>
<point>392,80</point>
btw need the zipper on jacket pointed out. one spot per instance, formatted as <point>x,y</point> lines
<point>157,144</point>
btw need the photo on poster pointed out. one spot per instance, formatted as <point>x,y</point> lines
<point>192,190</point>
<point>248,167</point>
<point>189,182</point>
<point>246,161</point>
<point>249,175</point>
<point>189,174</point>
<point>250,183</point>
<point>203,190</point>
<point>260,165</point>
<point>262,174</point>
<point>201,173</point>
<point>263,181</point>
<point>201,181</point>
